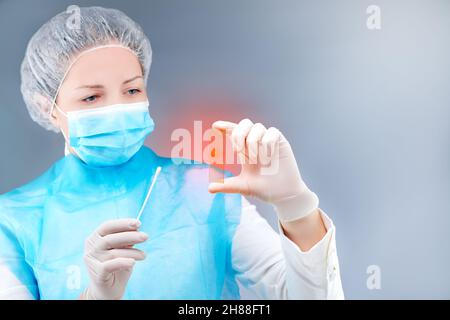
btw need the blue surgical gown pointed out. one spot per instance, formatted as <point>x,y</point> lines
<point>44,224</point>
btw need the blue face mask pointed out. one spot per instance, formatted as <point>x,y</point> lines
<point>111,135</point>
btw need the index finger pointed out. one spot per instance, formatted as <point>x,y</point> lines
<point>118,225</point>
<point>225,126</point>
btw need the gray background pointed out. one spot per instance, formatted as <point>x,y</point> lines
<point>367,112</point>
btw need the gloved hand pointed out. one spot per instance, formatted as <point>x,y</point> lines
<point>269,170</point>
<point>109,256</point>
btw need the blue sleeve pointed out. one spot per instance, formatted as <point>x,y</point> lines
<point>13,263</point>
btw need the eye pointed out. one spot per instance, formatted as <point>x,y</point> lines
<point>90,98</point>
<point>132,92</point>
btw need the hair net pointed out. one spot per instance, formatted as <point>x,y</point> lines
<point>57,43</point>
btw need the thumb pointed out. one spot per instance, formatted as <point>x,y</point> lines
<point>230,185</point>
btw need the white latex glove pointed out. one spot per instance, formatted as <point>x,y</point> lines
<point>275,179</point>
<point>109,256</point>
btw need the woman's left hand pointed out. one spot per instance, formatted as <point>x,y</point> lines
<point>269,169</point>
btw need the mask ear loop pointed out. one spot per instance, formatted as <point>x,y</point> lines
<point>66,138</point>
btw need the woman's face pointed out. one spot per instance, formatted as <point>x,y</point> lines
<point>99,78</point>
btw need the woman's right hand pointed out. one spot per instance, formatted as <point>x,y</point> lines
<point>109,256</point>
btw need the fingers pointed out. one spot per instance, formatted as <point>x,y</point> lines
<point>121,240</point>
<point>253,140</point>
<point>272,135</point>
<point>118,225</point>
<point>110,241</point>
<point>240,133</point>
<point>269,141</point>
<point>130,253</point>
<point>100,249</point>
<point>103,271</point>
<point>115,265</point>
<point>109,253</point>
<point>230,185</point>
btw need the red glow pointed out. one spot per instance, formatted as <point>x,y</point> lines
<point>183,114</point>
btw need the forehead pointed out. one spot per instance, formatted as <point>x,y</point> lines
<point>103,65</point>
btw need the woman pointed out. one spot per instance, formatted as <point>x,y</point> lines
<point>73,233</point>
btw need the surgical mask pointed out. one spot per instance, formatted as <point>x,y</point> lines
<point>110,135</point>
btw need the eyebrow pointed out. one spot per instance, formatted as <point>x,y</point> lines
<point>99,86</point>
<point>132,79</point>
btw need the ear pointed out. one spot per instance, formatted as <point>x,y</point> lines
<point>45,106</point>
